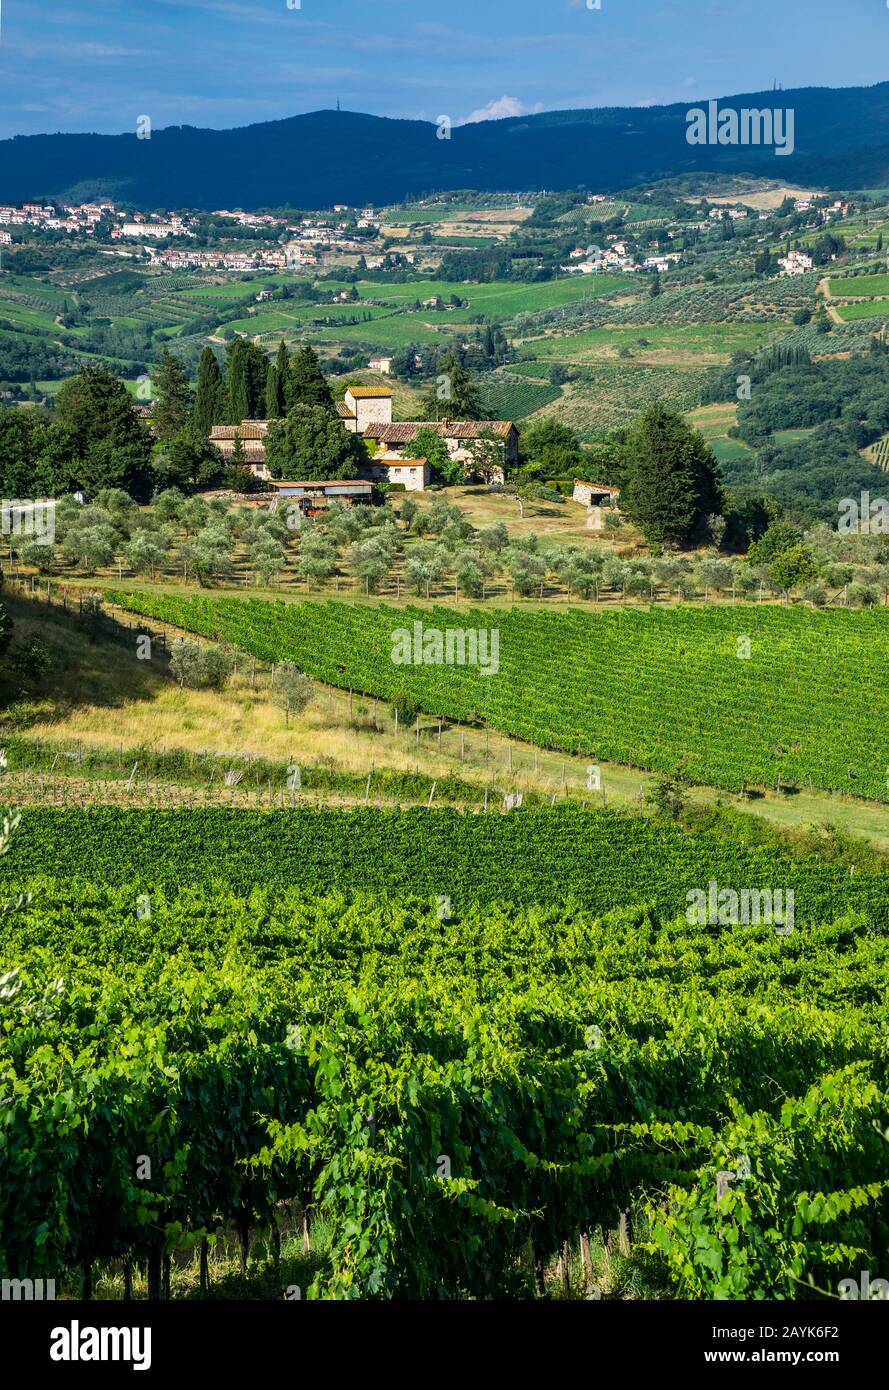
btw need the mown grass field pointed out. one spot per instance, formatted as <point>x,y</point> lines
<point>502,298</point>
<point>871,309</point>
<point>714,422</point>
<point>856,286</point>
<point>693,345</point>
<point>29,284</point>
<point>22,315</point>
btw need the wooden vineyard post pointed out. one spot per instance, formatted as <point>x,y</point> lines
<point>565,1271</point>
<point>396,723</point>
<point>418,728</point>
<point>462,745</point>
<point>486,798</point>
<point>586,1258</point>
<point>204,1276</point>
<point>367,788</point>
<point>624,1231</point>
<point>432,793</point>
<point>154,1274</point>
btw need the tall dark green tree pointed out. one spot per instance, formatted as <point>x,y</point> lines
<point>247,370</point>
<point>173,401</point>
<point>106,444</point>
<point>95,407</point>
<point>276,385</point>
<point>188,461</point>
<point>237,404</point>
<point>310,442</point>
<point>672,482</point>
<point>209,400</point>
<point>454,394</point>
<point>306,383</point>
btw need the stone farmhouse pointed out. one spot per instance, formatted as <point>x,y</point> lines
<point>252,435</point>
<point>367,411</point>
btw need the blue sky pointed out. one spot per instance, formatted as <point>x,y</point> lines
<point>98,64</point>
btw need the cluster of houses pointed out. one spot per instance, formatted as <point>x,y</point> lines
<point>299,241</point>
<point>141,226</point>
<point>196,258</point>
<point>795,263</point>
<point>593,260</point>
<point>70,217</point>
<point>367,411</point>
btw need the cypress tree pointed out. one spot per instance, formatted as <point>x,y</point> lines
<point>672,479</point>
<point>256,371</point>
<point>172,397</point>
<point>271,393</point>
<point>209,401</point>
<point>276,383</point>
<point>306,383</point>
<point>456,396</point>
<point>238,404</point>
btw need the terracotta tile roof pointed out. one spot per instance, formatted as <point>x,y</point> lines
<point>370,392</point>
<point>323,482</point>
<point>402,432</point>
<point>344,412</point>
<point>247,429</point>
<point>254,451</point>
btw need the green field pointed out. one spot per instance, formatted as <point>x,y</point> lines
<point>23,316</point>
<point>230,293</point>
<point>791,436</point>
<point>856,286</point>
<point>501,298</point>
<point>694,344</point>
<point>507,400</point>
<point>612,392</point>
<point>808,707</point>
<point>395,331</point>
<point>443,212</point>
<point>592,212</point>
<point>730,450</point>
<point>874,308</point>
<point>27,284</point>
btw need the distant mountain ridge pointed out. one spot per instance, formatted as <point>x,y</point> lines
<point>841,140</point>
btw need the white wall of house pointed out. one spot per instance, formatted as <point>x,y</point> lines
<point>415,474</point>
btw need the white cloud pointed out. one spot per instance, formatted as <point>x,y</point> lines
<point>498,109</point>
